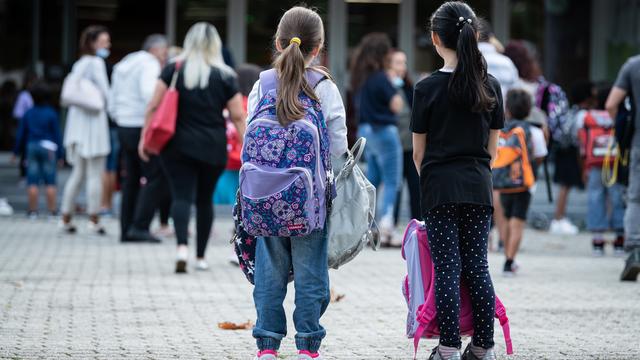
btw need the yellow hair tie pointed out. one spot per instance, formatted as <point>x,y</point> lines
<point>296,40</point>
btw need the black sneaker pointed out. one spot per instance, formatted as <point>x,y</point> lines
<point>598,248</point>
<point>136,235</point>
<point>632,267</point>
<point>509,269</point>
<point>618,246</point>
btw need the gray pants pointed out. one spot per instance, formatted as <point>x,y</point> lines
<point>91,169</point>
<point>632,214</point>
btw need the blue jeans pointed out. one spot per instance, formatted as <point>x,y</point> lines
<point>275,258</point>
<point>597,194</point>
<point>632,225</point>
<point>384,161</point>
<point>41,165</point>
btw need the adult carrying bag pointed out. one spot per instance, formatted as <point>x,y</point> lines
<point>352,222</point>
<point>163,122</point>
<point>78,90</point>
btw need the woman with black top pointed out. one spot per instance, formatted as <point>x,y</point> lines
<point>377,105</point>
<point>196,156</point>
<point>457,112</point>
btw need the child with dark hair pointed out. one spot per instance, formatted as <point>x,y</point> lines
<point>456,117</point>
<point>605,210</point>
<point>516,205</point>
<point>39,135</point>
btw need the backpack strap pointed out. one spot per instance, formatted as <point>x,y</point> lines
<point>269,79</point>
<point>424,316</point>
<point>501,314</point>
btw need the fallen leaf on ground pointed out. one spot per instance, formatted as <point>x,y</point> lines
<point>233,326</point>
<point>335,297</point>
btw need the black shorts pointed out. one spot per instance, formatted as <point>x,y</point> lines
<point>516,205</point>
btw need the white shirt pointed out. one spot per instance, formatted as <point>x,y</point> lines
<point>332,109</point>
<point>500,66</point>
<point>538,142</point>
<point>132,84</point>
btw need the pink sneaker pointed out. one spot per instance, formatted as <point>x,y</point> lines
<point>267,355</point>
<point>306,355</point>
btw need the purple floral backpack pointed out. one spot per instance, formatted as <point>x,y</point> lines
<point>286,180</point>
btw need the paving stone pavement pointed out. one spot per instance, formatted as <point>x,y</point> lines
<point>89,297</point>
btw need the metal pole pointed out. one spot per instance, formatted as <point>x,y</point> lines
<point>406,36</point>
<point>501,19</point>
<point>337,44</point>
<point>35,35</point>
<point>170,20</point>
<point>237,29</point>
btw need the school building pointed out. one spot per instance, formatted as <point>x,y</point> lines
<point>576,39</point>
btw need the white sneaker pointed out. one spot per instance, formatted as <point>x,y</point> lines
<point>181,259</point>
<point>68,228</point>
<point>563,227</point>
<point>5,207</point>
<point>96,229</point>
<point>202,265</point>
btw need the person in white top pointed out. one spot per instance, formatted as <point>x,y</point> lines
<point>498,65</point>
<point>132,85</point>
<point>86,134</point>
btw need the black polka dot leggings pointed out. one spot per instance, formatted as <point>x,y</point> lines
<point>458,236</point>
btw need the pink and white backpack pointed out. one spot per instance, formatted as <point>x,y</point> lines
<point>418,288</point>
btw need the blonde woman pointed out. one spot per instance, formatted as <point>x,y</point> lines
<point>196,156</point>
<point>86,134</point>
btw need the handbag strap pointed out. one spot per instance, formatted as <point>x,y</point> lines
<point>353,156</point>
<point>174,78</point>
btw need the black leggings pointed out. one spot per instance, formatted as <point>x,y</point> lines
<point>458,240</point>
<point>189,178</point>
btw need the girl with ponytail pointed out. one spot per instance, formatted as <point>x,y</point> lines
<point>457,113</point>
<point>298,42</point>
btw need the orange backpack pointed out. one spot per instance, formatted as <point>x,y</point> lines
<point>512,169</point>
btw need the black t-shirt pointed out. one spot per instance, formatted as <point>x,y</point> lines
<point>200,126</point>
<point>373,100</point>
<point>456,165</point>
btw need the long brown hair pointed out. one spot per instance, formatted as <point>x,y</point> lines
<point>306,25</point>
<point>371,55</point>
<point>89,36</point>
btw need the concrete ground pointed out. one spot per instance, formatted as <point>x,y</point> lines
<point>89,297</point>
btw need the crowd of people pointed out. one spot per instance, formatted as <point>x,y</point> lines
<point>441,136</point>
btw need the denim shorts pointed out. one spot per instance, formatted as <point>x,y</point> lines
<point>41,165</point>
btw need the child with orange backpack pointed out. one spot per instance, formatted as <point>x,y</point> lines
<point>521,149</point>
<point>596,137</point>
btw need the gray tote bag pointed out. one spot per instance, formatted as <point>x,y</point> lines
<point>352,222</point>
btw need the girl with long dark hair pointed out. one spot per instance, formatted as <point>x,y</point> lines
<point>457,113</point>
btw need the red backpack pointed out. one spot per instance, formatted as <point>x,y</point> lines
<point>596,137</point>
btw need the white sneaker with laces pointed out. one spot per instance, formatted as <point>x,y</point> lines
<point>5,207</point>
<point>202,265</point>
<point>181,259</point>
<point>96,228</point>
<point>563,227</point>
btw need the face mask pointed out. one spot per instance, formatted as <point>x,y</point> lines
<point>103,53</point>
<point>397,82</point>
